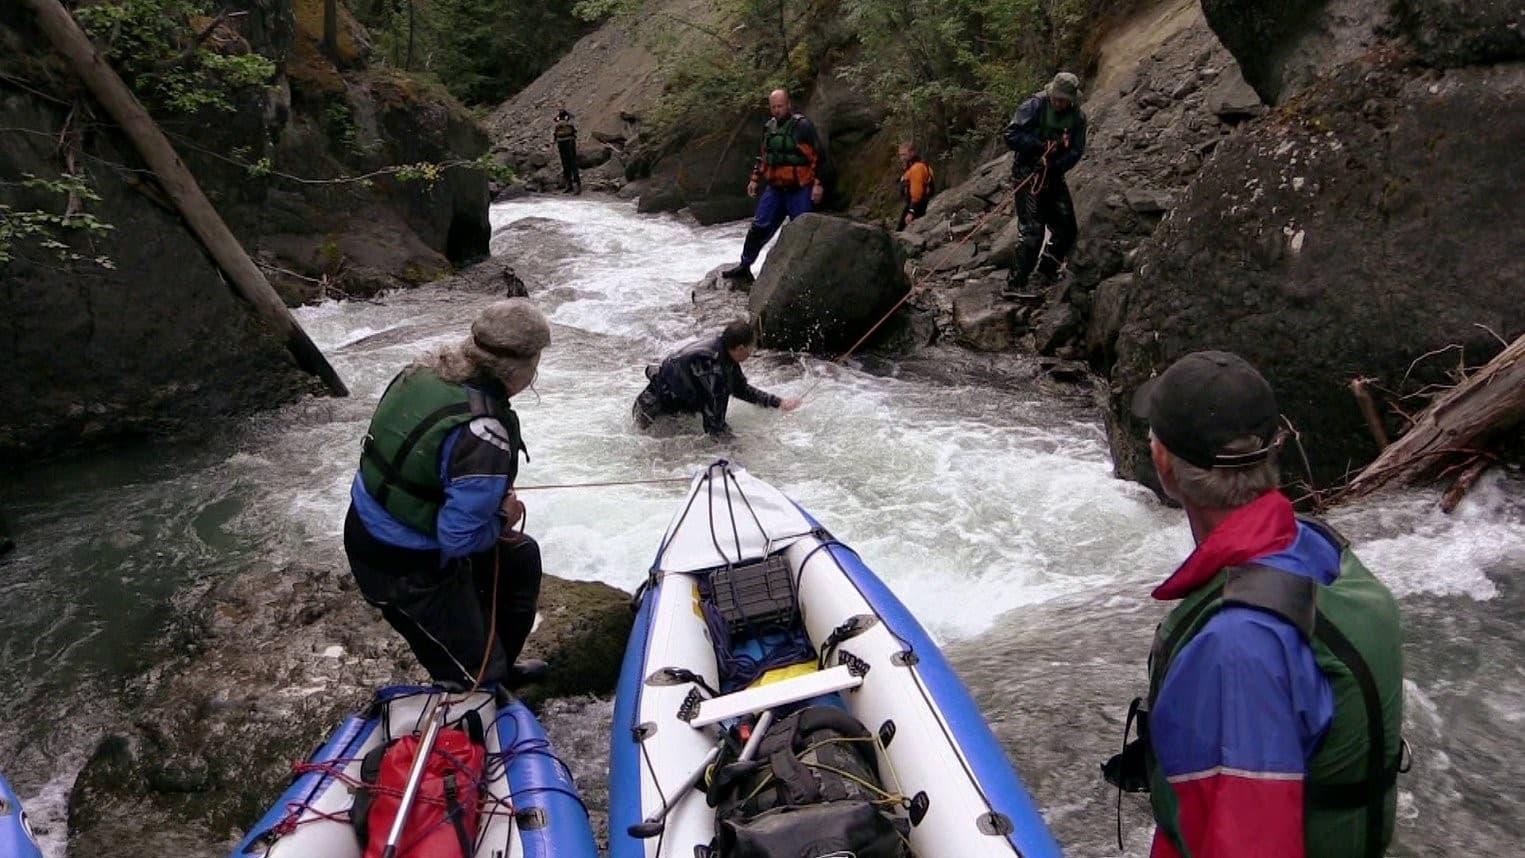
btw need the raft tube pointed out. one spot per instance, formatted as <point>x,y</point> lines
<point>936,750</point>
<point>16,839</point>
<point>548,819</point>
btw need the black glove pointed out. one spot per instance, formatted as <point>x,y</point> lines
<point>1127,771</point>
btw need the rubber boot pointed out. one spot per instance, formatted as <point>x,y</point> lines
<point>753,245</point>
<point>1016,288</point>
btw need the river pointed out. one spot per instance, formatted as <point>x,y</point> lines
<point>985,499</point>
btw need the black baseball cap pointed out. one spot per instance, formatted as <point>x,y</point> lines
<point>1203,402</point>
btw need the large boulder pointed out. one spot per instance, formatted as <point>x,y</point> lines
<point>1329,249</point>
<point>825,283</point>
<point>270,662</point>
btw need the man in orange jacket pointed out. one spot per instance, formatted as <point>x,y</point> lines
<point>785,176</point>
<point>915,185</point>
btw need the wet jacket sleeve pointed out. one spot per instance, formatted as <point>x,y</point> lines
<point>476,459</point>
<point>1021,133</point>
<point>744,391</point>
<point>809,143</point>
<point>1242,710</point>
<point>1077,150</point>
<point>916,179</point>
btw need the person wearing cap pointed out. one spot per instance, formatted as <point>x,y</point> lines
<point>434,529</point>
<point>1276,681</point>
<point>701,378</point>
<point>1048,136</point>
<point>565,135</point>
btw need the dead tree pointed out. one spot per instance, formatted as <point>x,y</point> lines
<point>1457,430</point>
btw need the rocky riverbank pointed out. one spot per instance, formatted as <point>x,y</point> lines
<point>256,672</point>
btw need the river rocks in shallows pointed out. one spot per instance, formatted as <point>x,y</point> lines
<point>825,283</point>
<point>982,320</point>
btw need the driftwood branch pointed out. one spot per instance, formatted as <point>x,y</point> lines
<point>196,43</point>
<point>1460,423</point>
<point>199,214</point>
<point>1464,483</point>
<point>1369,411</point>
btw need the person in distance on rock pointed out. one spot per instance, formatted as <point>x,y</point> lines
<point>434,531</point>
<point>565,134</point>
<point>1276,681</point>
<point>1048,135</point>
<point>785,175</point>
<point>916,185</point>
<point>701,378</point>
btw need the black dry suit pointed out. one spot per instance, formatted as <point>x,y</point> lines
<point>1047,144</point>
<point>699,378</point>
<point>566,147</point>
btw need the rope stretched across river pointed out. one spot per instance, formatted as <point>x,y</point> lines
<point>651,482</point>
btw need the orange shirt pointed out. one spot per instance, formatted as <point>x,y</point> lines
<point>916,182</point>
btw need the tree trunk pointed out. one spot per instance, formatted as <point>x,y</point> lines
<point>1457,426</point>
<point>412,16</point>
<point>331,29</point>
<point>181,186</point>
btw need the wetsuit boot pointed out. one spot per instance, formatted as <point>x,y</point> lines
<point>750,248</point>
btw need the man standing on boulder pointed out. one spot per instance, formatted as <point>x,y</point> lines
<point>1048,135</point>
<point>786,176</point>
<point>915,185</point>
<point>702,377</point>
<point>1276,682</point>
<point>431,530</point>
<point>565,134</point>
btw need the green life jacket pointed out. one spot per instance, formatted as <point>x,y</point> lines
<point>565,131</point>
<point>400,457</point>
<point>1054,125</point>
<point>1350,792</point>
<point>780,149</point>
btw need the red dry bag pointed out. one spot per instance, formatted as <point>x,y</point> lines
<point>443,819</point>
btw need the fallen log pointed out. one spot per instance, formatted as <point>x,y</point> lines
<point>176,179</point>
<point>1459,425</point>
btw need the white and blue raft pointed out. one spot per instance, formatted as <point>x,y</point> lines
<point>778,700</point>
<point>491,787</point>
<point>16,839</point>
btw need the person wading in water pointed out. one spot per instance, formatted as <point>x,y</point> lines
<point>431,530</point>
<point>1276,682</point>
<point>701,378</point>
<point>1048,135</point>
<point>786,176</point>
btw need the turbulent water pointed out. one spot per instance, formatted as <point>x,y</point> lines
<point>990,509</point>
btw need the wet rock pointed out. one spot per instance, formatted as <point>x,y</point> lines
<point>1106,318</point>
<point>214,734</point>
<point>1057,326</point>
<point>659,198</point>
<point>825,282</point>
<point>1293,279</point>
<point>951,257</point>
<point>982,320</point>
<point>588,159</point>
<point>722,209</point>
<point>1147,200</point>
<point>1231,99</point>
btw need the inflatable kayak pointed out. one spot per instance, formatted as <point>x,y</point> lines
<point>16,839</point>
<point>527,807</point>
<point>756,633</point>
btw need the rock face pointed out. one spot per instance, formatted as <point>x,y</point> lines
<point>270,663</point>
<point>1164,95</point>
<point>1285,46</point>
<point>1369,224</point>
<point>152,339</point>
<point>825,283</point>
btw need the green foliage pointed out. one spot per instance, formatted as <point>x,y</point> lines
<point>481,50</point>
<point>150,43</point>
<point>45,229</point>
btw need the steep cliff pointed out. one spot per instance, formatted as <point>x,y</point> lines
<point>127,327</point>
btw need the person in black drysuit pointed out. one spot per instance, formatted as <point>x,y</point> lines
<point>1048,135</point>
<point>566,146</point>
<point>701,378</point>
